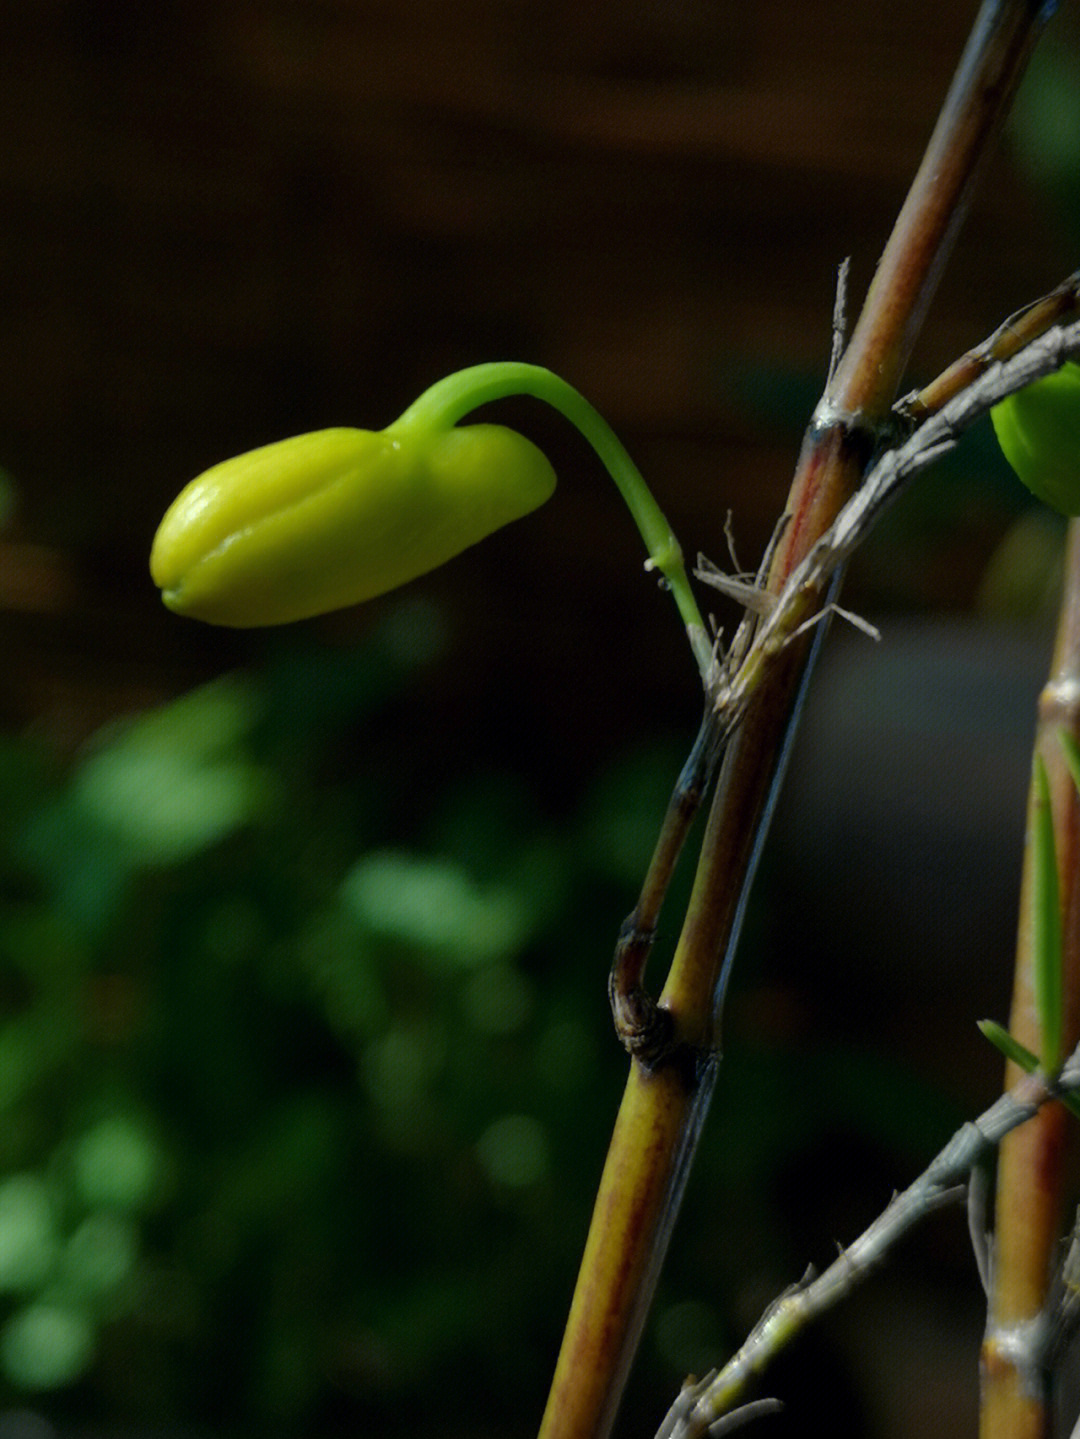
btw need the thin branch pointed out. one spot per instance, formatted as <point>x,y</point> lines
<point>643,1028</point>
<point>699,1406</point>
<point>1011,336</point>
<point>839,318</point>
<point>990,69</point>
<point>799,601</point>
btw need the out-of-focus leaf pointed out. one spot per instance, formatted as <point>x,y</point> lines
<point>46,1346</point>
<point>29,1242</point>
<point>623,812</point>
<point>178,779</point>
<point>1046,118</point>
<point>1021,581</point>
<point>514,1151</point>
<point>435,908</point>
<point>117,1165</point>
<point>100,1255</point>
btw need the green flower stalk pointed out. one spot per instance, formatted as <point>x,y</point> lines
<point>330,519</point>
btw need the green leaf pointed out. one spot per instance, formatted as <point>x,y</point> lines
<point>117,1165</point>
<point>28,1236</point>
<point>1046,956</point>
<point>435,908</point>
<point>1012,1049</point>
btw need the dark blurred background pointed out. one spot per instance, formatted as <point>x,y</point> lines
<point>306,1073</point>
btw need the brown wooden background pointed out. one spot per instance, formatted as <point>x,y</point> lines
<point>221,223</point>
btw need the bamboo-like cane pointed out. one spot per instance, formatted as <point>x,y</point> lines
<point>664,1104</point>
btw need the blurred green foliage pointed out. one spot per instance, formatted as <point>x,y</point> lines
<point>306,1073</point>
<point>292,1117</point>
<point>1043,124</point>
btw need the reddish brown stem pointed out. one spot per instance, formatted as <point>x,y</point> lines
<point>977,102</point>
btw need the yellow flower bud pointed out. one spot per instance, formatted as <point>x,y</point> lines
<point>329,519</point>
<point>1038,429</point>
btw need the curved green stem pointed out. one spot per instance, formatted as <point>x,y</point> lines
<point>450,399</point>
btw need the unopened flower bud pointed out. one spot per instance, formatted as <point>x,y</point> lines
<point>329,519</point>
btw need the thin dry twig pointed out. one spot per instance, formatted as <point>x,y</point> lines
<point>1011,336</point>
<point>699,1406</point>
<point>727,1425</point>
<point>978,1204</point>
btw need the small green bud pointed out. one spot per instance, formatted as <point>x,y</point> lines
<point>329,519</point>
<point>1038,429</point>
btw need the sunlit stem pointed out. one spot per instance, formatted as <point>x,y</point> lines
<point>640,1025</point>
<point>450,399</point>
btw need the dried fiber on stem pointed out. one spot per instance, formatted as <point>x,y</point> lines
<point>799,604</point>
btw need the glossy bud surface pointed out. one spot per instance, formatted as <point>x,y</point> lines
<point>326,520</point>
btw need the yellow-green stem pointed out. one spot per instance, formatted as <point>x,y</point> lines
<point>451,398</point>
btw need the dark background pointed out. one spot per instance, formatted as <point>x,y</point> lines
<point>224,223</point>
